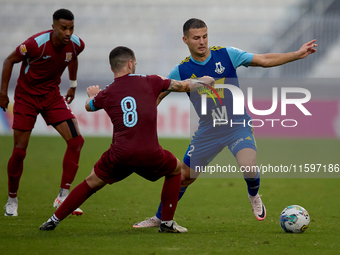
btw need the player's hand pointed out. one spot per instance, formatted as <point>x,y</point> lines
<point>70,95</point>
<point>4,101</point>
<point>208,80</point>
<point>307,49</point>
<point>93,90</point>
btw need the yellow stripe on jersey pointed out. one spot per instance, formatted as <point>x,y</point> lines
<point>214,48</point>
<point>185,60</point>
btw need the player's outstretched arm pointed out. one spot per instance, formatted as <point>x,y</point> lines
<point>92,91</point>
<point>7,68</point>
<point>190,84</point>
<point>276,59</point>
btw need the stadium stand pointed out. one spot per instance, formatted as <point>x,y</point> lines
<point>153,29</point>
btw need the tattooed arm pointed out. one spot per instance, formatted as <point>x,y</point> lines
<point>190,84</point>
<point>185,86</point>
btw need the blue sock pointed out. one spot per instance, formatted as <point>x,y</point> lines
<point>253,184</point>
<point>159,211</point>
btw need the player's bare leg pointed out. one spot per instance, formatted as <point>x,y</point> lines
<point>69,130</point>
<point>188,175</point>
<point>246,159</point>
<point>15,169</point>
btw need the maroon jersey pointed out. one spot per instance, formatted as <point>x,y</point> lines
<point>43,63</point>
<point>130,102</point>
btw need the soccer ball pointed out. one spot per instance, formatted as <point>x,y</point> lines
<point>294,219</point>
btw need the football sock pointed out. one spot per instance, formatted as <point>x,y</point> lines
<point>253,184</point>
<point>169,197</point>
<point>181,193</point>
<point>14,170</point>
<point>159,211</point>
<point>71,160</point>
<point>168,223</point>
<point>54,219</point>
<point>77,197</point>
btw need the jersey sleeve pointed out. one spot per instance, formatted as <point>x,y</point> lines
<point>26,49</point>
<point>239,57</point>
<point>78,43</point>
<point>174,74</point>
<point>159,82</point>
<point>98,101</point>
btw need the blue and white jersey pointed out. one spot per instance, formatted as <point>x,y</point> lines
<point>221,65</point>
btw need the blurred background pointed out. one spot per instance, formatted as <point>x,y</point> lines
<point>153,29</point>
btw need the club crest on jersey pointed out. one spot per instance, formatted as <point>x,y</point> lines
<point>68,56</point>
<point>23,49</point>
<point>219,68</point>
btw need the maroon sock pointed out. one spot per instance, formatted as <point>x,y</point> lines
<point>77,197</point>
<point>14,170</point>
<point>169,198</point>
<point>71,160</point>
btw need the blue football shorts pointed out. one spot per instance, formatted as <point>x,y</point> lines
<point>204,147</point>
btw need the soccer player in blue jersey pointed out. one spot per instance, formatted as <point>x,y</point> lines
<point>221,63</point>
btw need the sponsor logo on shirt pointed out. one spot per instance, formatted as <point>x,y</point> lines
<point>46,57</point>
<point>23,49</point>
<point>68,56</point>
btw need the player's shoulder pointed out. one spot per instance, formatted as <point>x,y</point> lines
<point>137,75</point>
<point>77,40</point>
<point>217,48</point>
<point>40,38</point>
<point>42,33</point>
<point>234,50</point>
<point>186,60</point>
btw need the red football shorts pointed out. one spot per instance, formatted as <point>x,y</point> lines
<point>52,107</point>
<point>112,171</point>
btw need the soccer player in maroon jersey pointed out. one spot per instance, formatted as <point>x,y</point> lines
<point>44,57</point>
<point>130,101</point>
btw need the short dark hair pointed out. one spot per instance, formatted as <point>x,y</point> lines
<point>63,14</point>
<point>193,23</point>
<point>119,56</point>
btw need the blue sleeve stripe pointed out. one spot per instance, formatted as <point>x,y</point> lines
<point>28,66</point>
<point>92,106</point>
<point>75,39</point>
<point>239,57</point>
<point>41,39</point>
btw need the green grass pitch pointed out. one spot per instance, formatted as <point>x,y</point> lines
<point>216,211</point>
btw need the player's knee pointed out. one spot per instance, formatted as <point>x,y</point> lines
<point>19,154</point>
<point>187,176</point>
<point>177,169</point>
<point>76,143</point>
<point>246,157</point>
